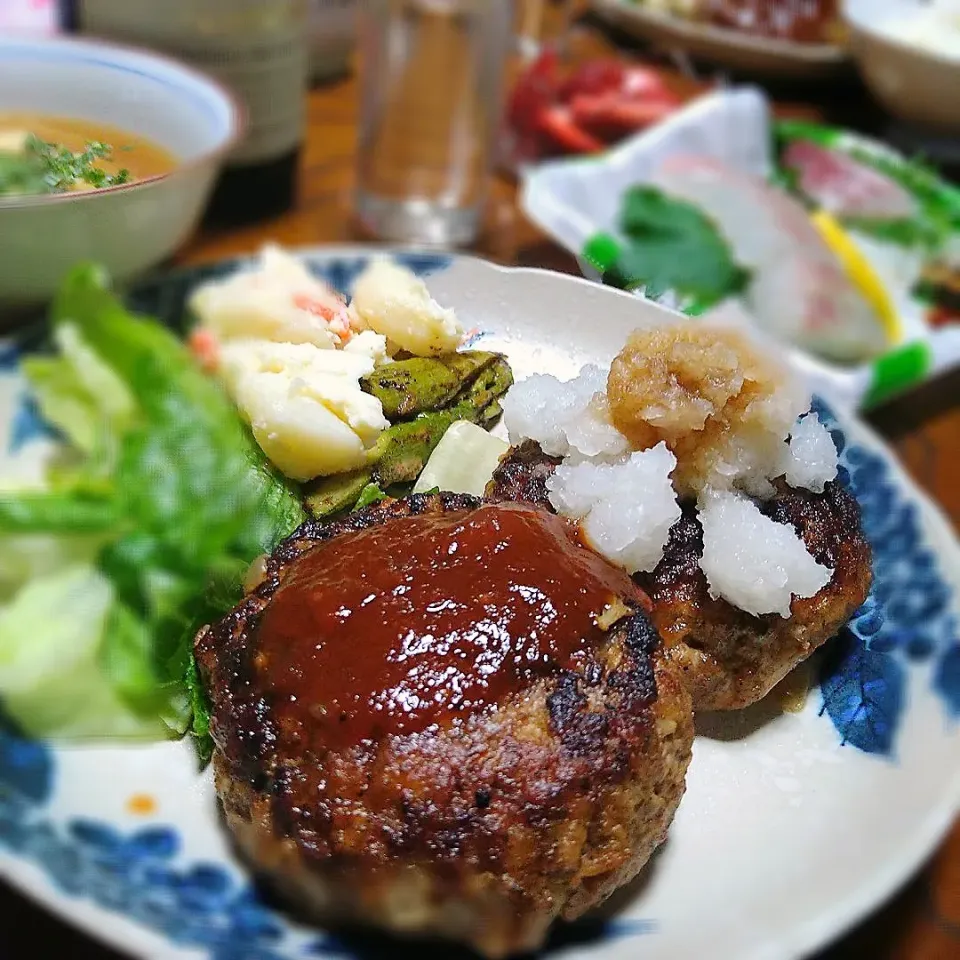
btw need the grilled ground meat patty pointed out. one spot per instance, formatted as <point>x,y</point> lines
<point>730,658</point>
<point>370,789</point>
<point>522,474</point>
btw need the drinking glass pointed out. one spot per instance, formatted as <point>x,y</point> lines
<point>431,87</point>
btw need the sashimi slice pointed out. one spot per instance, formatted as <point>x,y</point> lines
<point>798,291</point>
<point>845,187</point>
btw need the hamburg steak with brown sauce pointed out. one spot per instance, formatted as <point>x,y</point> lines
<point>445,717</point>
<point>729,658</point>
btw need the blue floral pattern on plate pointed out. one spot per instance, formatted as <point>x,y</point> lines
<point>907,619</point>
<point>27,425</point>
<point>142,876</point>
<point>906,622</point>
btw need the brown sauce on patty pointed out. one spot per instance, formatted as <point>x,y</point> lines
<point>423,620</point>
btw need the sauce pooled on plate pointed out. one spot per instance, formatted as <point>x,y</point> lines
<point>421,620</point>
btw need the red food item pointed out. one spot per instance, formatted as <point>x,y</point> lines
<point>534,91</point>
<point>600,103</point>
<point>646,82</point>
<point>557,124</point>
<point>843,186</point>
<point>303,301</point>
<point>611,117</point>
<point>205,348</point>
<point>943,316</point>
<point>594,76</point>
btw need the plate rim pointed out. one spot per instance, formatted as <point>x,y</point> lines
<point>660,26</point>
<point>817,931</point>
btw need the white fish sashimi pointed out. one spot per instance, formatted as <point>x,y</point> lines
<point>846,187</point>
<point>799,290</point>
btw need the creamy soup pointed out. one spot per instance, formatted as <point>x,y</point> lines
<point>46,154</point>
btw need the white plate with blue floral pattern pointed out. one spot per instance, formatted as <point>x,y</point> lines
<point>794,824</point>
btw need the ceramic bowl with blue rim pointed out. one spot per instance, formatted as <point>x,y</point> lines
<point>129,227</point>
<point>801,813</point>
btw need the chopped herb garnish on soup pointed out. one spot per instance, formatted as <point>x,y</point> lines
<point>41,167</point>
<point>43,155</point>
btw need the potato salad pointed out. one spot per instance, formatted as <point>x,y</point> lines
<point>292,353</point>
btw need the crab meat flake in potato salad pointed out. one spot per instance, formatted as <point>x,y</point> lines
<point>291,353</point>
<point>278,300</point>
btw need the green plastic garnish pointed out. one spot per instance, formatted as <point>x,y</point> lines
<point>898,370</point>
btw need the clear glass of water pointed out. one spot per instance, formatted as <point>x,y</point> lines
<point>431,90</point>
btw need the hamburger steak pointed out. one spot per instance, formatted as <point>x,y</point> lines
<point>445,717</point>
<point>729,658</point>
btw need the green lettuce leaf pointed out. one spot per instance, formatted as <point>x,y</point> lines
<point>51,680</point>
<point>169,485</point>
<point>79,394</point>
<point>371,493</point>
<point>200,712</point>
<point>58,512</point>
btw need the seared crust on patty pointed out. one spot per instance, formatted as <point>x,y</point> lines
<point>730,658</point>
<point>522,475</point>
<point>483,831</point>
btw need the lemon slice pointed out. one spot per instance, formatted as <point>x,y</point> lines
<point>861,273</point>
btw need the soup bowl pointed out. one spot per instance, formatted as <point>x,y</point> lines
<point>915,83</point>
<point>128,227</point>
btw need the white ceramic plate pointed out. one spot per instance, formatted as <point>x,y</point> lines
<point>793,825</point>
<point>725,47</point>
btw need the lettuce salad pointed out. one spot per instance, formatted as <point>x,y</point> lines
<point>149,515</point>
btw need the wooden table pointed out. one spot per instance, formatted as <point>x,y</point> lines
<point>923,921</point>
